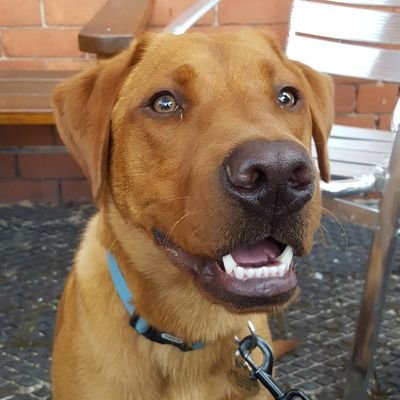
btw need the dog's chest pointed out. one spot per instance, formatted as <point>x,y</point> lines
<point>214,387</point>
<point>184,384</point>
<point>183,376</point>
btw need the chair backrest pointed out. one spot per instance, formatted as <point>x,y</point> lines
<point>347,40</point>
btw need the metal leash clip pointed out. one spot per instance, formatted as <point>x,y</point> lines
<point>263,372</point>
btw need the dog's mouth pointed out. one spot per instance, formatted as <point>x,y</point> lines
<point>254,277</point>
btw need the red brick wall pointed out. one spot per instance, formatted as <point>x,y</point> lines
<point>42,34</point>
<point>34,165</point>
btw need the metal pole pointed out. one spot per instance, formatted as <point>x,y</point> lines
<point>189,17</point>
<point>379,269</point>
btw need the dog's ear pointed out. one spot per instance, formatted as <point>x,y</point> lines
<point>319,95</point>
<point>83,106</point>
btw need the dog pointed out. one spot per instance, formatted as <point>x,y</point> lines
<point>197,149</point>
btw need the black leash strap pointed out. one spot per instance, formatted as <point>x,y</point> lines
<point>263,372</point>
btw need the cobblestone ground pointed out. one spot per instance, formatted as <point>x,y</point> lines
<point>38,242</point>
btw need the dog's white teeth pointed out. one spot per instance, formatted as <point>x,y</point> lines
<point>287,256</point>
<point>229,264</point>
<point>273,271</point>
<point>265,272</point>
<point>250,272</point>
<point>259,272</point>
<point>238,272</point>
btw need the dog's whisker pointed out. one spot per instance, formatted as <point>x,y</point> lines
<point>126,226</point>
<point>156,203</point>
<point>332,215</point>
<point>130,223</point>
<point>187,215</point>
<point>323,230</point>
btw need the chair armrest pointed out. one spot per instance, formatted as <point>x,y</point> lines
<point>114,26</point>
<point>395,123</point>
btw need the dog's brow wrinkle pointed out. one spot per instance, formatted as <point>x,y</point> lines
<point>184,74</point>
<point>267,68</point>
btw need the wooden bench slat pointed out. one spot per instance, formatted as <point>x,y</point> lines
<point>114,26</point>
<point>25,104</point>
<point>349,132</point>
<point>348,170</point>
<point>354,156</point>
<point>29,76</point>
<point>25,96</point>
<point>26,88</point>
<point>45,118</point>
<point>365,145</point>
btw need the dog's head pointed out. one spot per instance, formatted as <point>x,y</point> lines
<point>203,142</point>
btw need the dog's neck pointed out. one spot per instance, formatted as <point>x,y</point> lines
<point>164,295</point>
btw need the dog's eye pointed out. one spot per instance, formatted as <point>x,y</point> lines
<point>287,97</point>
<point>165,104</point>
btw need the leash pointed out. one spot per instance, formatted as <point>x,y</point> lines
<point>247,373</point>
<point>139,324</point>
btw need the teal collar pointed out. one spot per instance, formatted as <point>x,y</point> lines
<point>138,323</point>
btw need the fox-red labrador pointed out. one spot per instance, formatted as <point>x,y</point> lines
<point>198,152</point>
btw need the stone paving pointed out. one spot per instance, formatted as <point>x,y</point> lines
<point>37,244</point>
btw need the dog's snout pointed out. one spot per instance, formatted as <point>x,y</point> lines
<point>274,175</point>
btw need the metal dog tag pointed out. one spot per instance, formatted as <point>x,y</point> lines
<point>242,379</point>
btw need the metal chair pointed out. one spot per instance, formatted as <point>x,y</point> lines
<point>347,40</point>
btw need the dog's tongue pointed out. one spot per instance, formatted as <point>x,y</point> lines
<point>259,253</point>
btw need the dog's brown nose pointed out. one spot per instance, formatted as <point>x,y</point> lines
<point>273,176</point>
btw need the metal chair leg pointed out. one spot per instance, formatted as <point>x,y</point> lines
<point>380,264</point>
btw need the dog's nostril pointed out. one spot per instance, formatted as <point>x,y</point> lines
<point>300,177</point>
<point>247,177</point>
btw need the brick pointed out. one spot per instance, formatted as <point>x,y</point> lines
<point>21,65</point>
<point>71,12</point>
<point>377,98</point>
<point>164,11</point>
<point>385,121</point>
<point>68,64</point>
<point>358,120</point>
<point>26,135</point>
<point>19,12</point>
<point>75,190</point>
<point>12,190</point>
<point>254,11</point>
<point>345,98</point>
<point>41,42</point>
<point>57,139</point>
<point>7,166</point>
<point>48,166</point>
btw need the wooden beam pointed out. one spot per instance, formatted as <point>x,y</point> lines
<point>113,28</point>
<point>26,119</point>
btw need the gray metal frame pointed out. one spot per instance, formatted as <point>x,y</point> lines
<point>334,44</point>
<point>190,16</point>
<point>379,269</point>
